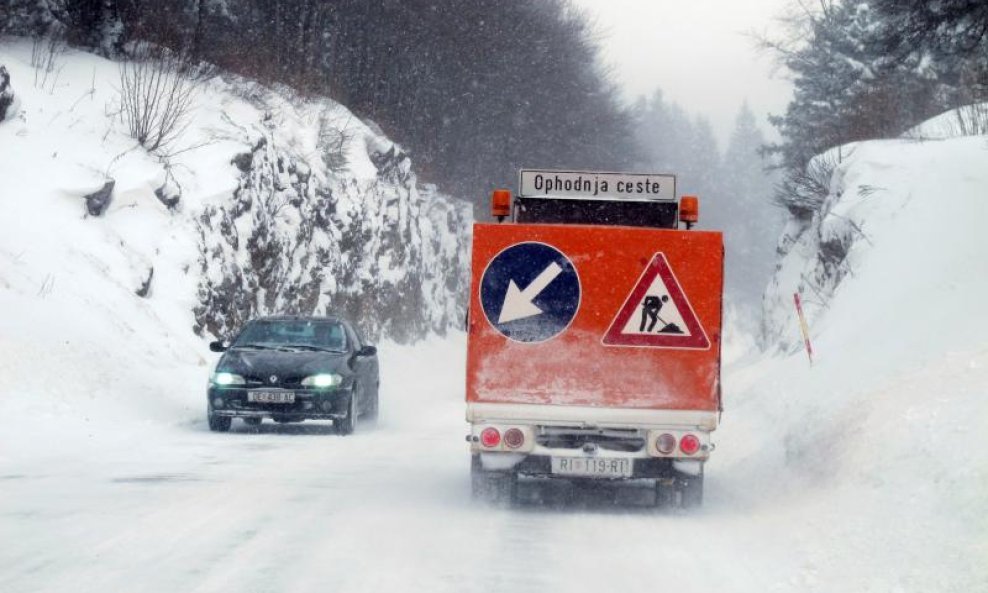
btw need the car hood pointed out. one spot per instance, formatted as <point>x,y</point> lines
<point>262,363</point>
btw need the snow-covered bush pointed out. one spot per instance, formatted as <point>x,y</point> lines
<point>813,249</point>
<point>803,193</point>
<point>307,237</point>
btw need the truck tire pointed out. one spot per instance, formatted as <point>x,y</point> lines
<point>665,493</point>
<point>682,491</point>
<point>492,487</point>
<point>690,490</point>
<point>219,423</point>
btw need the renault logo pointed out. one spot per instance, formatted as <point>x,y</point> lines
<point>273,378</point>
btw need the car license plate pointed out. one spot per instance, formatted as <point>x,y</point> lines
<point>591,467</point>
<point>271,397</point>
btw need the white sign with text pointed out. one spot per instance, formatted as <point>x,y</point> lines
<point>596,185</point>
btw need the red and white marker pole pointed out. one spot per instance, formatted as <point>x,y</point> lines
<point>803,327</point>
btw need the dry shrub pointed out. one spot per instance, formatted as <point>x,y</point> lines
<point>157,89</point>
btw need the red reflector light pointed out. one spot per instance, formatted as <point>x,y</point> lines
<point>514,438</point>
<point>666,443</point>
<point>490,437</point>
<point>689,444</point>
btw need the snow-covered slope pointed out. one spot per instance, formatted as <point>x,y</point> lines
<point>265,203</point>
<point>900,236</point>
<point>268,219</point>
<point>882,445</point>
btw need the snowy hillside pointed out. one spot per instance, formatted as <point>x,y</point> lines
<point>264,203</point>
<point>880,445</point>
<point>905,214</point>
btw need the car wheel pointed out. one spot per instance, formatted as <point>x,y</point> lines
<point>253,421</point>
<point>219,423</point>
<point>372,407</point>
<point>348,424</point>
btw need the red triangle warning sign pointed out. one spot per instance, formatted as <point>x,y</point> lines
<point>657,313</point>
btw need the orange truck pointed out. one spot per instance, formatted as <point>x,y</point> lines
<point>594,335</point>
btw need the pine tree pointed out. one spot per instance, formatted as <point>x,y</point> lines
<point>701,163</point>
<point>751,222</point>
<point>32,18</point>
<point>668,139</point>
<point>954,27</point>
<point>847,89</point>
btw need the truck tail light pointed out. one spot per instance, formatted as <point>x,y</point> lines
<point>490,437</point>
<point>689,444</point>
<point>666,443</point>
<point>514,438</point>
<point>501,204</point>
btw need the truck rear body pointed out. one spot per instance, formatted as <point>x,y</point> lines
<point>598,379</point>
<point>576,367</point>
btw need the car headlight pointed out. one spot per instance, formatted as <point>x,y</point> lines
<point>224,379</point>
<point>322,380</point>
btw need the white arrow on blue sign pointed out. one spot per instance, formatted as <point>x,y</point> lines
<point>530,292</point>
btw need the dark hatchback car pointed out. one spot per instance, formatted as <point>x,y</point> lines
<point>292,369</point>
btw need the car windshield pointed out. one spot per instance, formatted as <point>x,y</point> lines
<point>299,334</point>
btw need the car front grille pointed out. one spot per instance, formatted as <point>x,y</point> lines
<point>306,402</point>
<point>287,382</point>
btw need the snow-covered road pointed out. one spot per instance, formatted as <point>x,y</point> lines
<point>297,508</point>
<point>168,506</point>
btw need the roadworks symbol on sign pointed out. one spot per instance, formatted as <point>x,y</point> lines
<point>657,313</point>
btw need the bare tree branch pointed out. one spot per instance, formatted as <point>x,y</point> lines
<point>156,95</point>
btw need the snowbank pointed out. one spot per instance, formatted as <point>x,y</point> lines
<point>900,235</point>
<point>969,120</point>
<point>880,444</point>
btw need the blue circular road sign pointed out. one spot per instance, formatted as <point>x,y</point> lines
<point>530,292</point>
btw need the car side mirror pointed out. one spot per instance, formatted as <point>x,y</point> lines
<point>367,351</point>
<point>218,346</point>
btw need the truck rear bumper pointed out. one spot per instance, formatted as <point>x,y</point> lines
<point>651,468</point>
<point>583,416</point>
<point>560,441</point>
<point>540,466</point>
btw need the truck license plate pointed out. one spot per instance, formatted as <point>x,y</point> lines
<point>591,467</point>
<point>271,397</point>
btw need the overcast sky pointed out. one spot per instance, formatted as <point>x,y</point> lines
<point>696,51</point>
